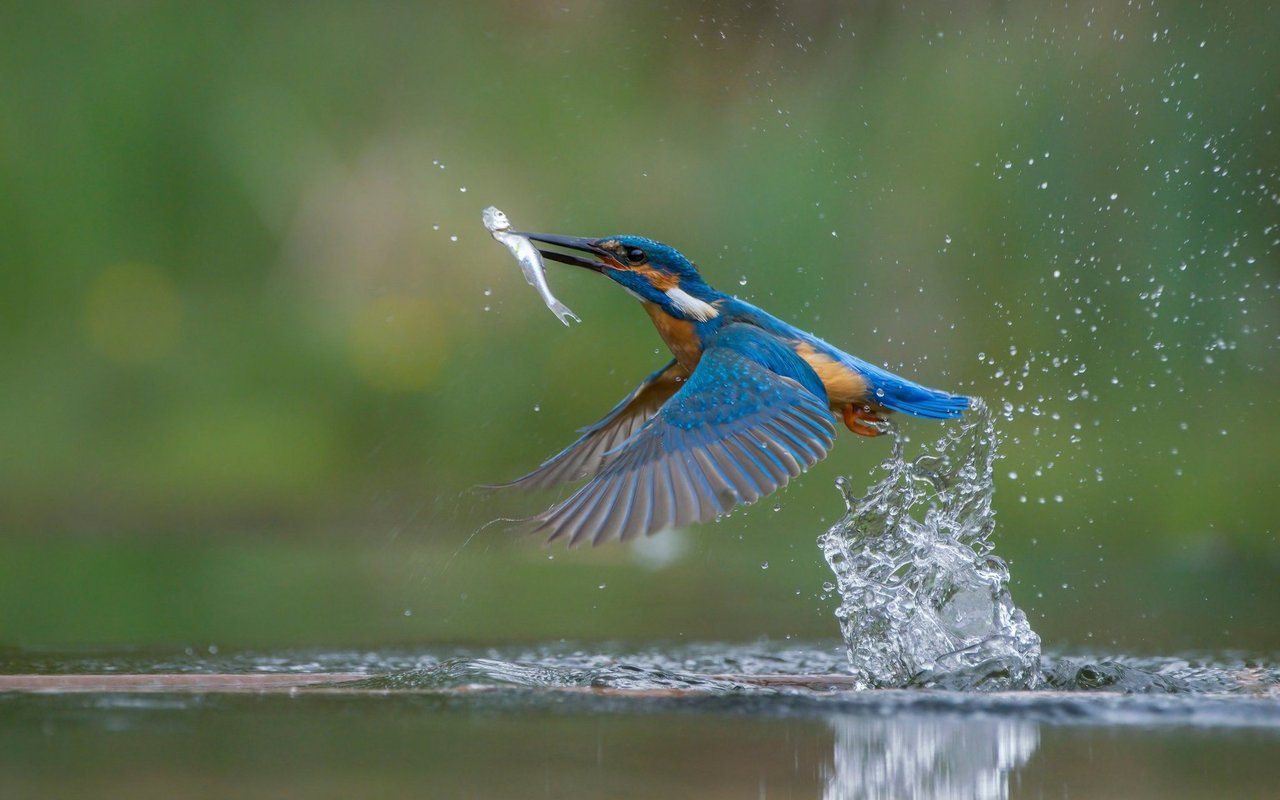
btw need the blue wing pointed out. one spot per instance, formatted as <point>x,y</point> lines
<point>746,422</point>
<point>586,456</point>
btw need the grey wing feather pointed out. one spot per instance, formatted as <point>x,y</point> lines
<point>588,455</point>
<point>678,470</point>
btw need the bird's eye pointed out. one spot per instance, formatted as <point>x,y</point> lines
<point>635,255</point>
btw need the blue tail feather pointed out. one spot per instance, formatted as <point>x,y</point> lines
<point>899,394</point>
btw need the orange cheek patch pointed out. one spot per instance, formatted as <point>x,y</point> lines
<point>660,280</point>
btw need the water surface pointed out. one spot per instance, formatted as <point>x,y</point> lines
<point>700,720</point>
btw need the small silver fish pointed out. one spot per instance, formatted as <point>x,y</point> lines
<point>530,259</point>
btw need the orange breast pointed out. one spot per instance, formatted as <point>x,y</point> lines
<point>843,385</point>
<point>678,334</point>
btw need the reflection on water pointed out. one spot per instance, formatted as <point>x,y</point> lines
<point>568,744</point>
<point>923,599</point>
<point>945,758</point>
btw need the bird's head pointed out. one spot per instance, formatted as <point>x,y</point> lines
<point>651,271</point>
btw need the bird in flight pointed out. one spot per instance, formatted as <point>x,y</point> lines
<point>746,403</point>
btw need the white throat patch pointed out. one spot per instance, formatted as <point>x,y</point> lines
<point>700,310</point>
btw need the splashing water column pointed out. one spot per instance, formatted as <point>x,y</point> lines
<point>923,599</point>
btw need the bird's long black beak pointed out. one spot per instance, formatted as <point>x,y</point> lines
<point>579,243</point>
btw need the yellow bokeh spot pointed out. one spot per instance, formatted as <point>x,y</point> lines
<point>397,343</point>
<point>132,313</point>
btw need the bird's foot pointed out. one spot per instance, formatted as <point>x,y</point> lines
<point>855,416</point>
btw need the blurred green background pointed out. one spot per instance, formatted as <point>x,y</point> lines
<point>256,346</point>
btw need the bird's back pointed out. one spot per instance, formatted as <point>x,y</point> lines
<point>844,374</point>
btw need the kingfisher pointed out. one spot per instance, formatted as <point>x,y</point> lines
<point>746,403</point>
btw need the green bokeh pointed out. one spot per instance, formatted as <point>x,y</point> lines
<point>1070,210</point>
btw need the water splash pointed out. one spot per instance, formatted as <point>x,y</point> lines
<point>924,601</point>
<point>458,673</point>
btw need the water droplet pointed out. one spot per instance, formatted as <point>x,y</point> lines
<point>742,281</point>
<point>408,612</point>
<point>764,565</point>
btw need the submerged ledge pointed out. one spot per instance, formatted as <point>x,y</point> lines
<point>798,696</point>
<point>194,682</point>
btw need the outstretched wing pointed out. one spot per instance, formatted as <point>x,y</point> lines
<point>585,457</point>
<point>748,420</point>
